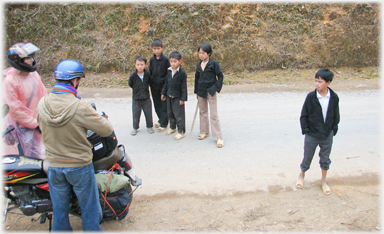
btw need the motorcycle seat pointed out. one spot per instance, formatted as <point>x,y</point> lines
<point>107,162</point>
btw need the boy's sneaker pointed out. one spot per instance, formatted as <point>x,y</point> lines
<point>157,125</point>
<point>179,136</point>
<point>161,129</point>
<point>134,132</point>
<point>150,130</point>
<point>170,131</point>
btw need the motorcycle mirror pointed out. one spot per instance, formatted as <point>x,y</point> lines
<point>5,110</point>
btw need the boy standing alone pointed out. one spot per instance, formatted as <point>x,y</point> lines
<point>319,123</point>
<point>175,92</point>
<point>139,82</point>
<point>158,65</point>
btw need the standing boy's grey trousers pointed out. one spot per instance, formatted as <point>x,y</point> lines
<point>146,106</point>
<point>310,145</point>
<point>160,107</point>
<point>176,114</point>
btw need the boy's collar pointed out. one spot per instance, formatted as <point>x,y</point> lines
<point>178,68</point>
<point>206,62</point>
<point>160,56</point>
<point>319,95</point>
<point>138,72</point>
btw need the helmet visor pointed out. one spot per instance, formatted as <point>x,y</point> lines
<point>27,50</point>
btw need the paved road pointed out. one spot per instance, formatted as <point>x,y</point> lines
<point>263,144</point>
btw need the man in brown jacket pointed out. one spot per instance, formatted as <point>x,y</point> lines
<point>64,120</point>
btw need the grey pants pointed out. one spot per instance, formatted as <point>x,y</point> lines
<point>176,114</point>
<point>146,106</point>
<point>160,107</point>
<point>310,145</point>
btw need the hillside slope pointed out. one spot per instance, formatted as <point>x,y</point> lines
<point>245,37</point>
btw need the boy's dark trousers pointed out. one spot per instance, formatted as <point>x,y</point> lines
<point>146,106</point>
<point>160,107</point>
<point>310,145</point>
<point>176,114</point>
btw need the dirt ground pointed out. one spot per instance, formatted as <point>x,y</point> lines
<point>353,206</point>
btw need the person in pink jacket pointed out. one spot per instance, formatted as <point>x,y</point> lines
<point>22,90</point>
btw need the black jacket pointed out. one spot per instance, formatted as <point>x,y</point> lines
<point>311,119</point>
<point>176,86</point>
<point>140,88</point>
<point>158,69</point>
<point>206,81</point>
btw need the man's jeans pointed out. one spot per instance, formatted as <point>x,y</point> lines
<point>83,182</point>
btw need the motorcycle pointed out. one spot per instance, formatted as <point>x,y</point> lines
<point>25,179</point>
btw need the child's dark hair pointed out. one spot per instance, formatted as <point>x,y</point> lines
<point>141,58</point>
<point>175,55</point>
<point>157,42</point>
<point>206,48</point>
<point>324,74</point>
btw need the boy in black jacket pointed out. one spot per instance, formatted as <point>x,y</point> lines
<point>139,82</point>
<point>319,122</point>
<point>175,92</point>
<point>158,65</point>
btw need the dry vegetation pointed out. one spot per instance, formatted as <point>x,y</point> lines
<point>246,37</point>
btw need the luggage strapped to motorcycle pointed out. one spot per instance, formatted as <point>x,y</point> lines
<point>104,196</point>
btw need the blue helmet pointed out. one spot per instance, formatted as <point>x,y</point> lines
<point>68,69</point>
